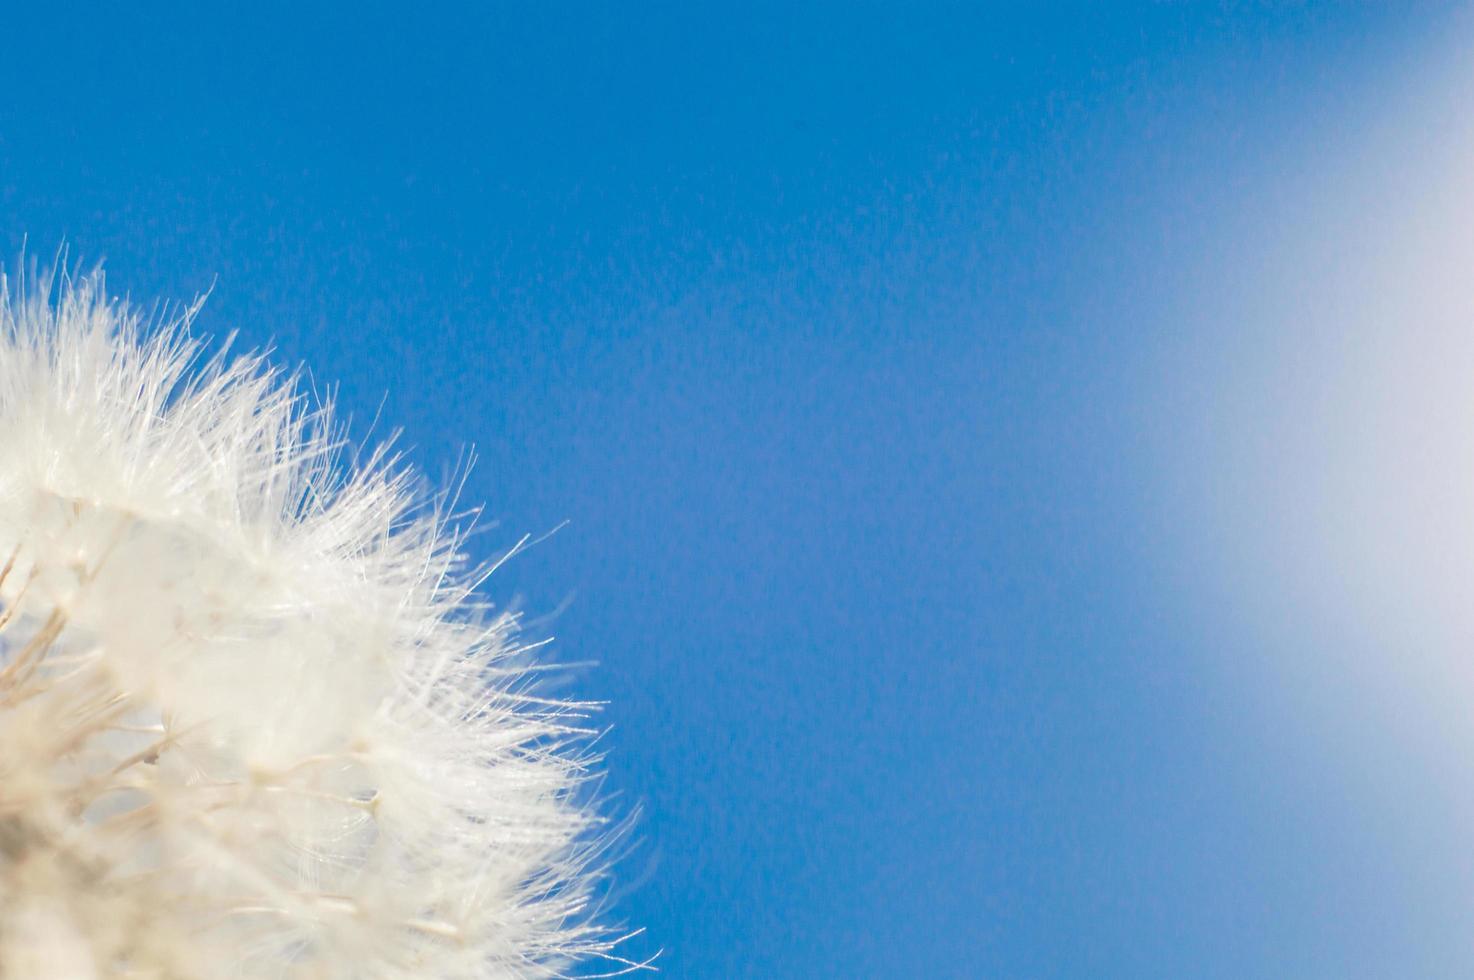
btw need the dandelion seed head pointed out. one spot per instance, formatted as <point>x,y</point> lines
<point>254,719</point>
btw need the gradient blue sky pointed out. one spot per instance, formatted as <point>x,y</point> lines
<point>889,363</point>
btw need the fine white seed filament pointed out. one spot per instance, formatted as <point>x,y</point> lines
<point>255,718</point>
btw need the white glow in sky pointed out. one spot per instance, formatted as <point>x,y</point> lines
<point>1323,476</point>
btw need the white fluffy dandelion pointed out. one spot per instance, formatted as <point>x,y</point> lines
<point>254,720</point>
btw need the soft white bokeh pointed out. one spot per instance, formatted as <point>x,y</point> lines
<point>1318,483</point>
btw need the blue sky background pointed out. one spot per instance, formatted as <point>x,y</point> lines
<point>897,368</point>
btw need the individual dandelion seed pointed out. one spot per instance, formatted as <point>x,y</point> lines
<point>254,720</point>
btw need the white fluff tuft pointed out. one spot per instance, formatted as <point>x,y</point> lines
<point>254,720</point>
